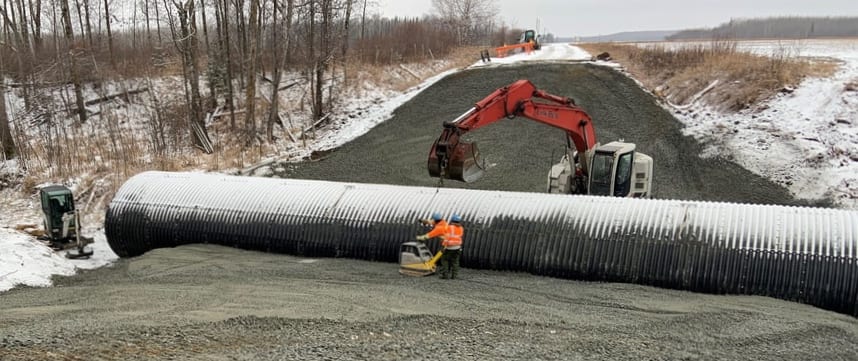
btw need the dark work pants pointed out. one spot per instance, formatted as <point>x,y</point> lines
<point>450,263</point>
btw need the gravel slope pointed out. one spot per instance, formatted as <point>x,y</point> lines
<point>216,303</point>
<point>522,151</point>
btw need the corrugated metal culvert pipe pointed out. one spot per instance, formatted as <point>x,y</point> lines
<point>799,254</point>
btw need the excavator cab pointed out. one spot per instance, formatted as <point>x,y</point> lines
<point>617,170</point>
<point>58,210</point>
<point>530,36</point>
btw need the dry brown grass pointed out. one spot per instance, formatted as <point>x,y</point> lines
<point>744,78</point>
<point>90,158</point>
<point>380,74</point>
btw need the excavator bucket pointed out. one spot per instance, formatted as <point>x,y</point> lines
<point>466,165</point>
<point>463,163</point>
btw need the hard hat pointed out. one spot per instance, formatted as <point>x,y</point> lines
<point>436,217</point>
<point>455,218</point>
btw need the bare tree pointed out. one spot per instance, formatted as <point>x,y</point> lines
<point>279,63</point>
<point>222,10</point>
<point>463,16</point>
<point>345,35</point>
<point>22,22</point>
<point>17,34</point>
<point>78,90</point>
<point>110,35</point>
<point>5,130</point>
<point>80,18</point>
<point>241,35</point>
<point>363,21</point>
<point>212,85</point>
<point>323,57</point>
<point>158,24</point>
<point>205,26</point>
<point>250,90</point>
<point>186,42</point>
<point>88,23</point>
<point>36,18</point>
<point>145,16</point>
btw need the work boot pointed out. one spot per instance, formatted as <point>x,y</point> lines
<point>444,277</point>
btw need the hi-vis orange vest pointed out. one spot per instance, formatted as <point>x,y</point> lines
<point>440,230</point>
<point>453,239</point>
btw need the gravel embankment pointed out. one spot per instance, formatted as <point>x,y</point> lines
<point>522,151</point>
<point>217,303</point>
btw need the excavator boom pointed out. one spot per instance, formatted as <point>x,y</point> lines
<point>452,158</point>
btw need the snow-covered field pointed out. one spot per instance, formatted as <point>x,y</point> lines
<point>806,139</point>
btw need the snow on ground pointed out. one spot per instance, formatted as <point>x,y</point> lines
<point>806,140</point>
<point>26,261</point>
<point>371,112</point>
<point>549,52</point>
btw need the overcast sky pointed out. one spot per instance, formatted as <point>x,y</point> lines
<point>600,17</point>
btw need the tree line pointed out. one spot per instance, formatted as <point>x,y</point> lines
<point>240,48</point>
<point>776,28</point>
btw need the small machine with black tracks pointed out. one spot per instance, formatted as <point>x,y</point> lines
<point>62,222</point>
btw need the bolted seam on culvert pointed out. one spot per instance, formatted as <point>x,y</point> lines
<point>800,254</point>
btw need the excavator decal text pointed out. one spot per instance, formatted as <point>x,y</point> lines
<point>547,113</point>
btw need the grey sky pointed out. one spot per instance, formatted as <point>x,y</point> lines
<point>598,17</point>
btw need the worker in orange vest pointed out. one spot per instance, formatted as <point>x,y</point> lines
<point>439,227</point>
<point>452,248</point>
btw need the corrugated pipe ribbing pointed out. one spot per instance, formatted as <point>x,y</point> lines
<point>800,254</point>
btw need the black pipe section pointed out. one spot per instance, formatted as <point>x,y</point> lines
<point>806,255</point>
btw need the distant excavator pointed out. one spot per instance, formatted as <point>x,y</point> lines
<point>613,169</point>
<point>527,42</point>
<point>529,36</point>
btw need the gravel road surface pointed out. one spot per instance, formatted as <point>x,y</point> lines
<point>217,303</point>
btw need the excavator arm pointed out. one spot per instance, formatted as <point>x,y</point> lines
<point>452,158</point>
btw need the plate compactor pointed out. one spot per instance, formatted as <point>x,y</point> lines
<point>416,260</point>
<point>62,222</point>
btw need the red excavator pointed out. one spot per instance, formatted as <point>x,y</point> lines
<point>613,169</point>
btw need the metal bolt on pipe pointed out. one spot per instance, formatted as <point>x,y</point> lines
<point>806,255</point>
